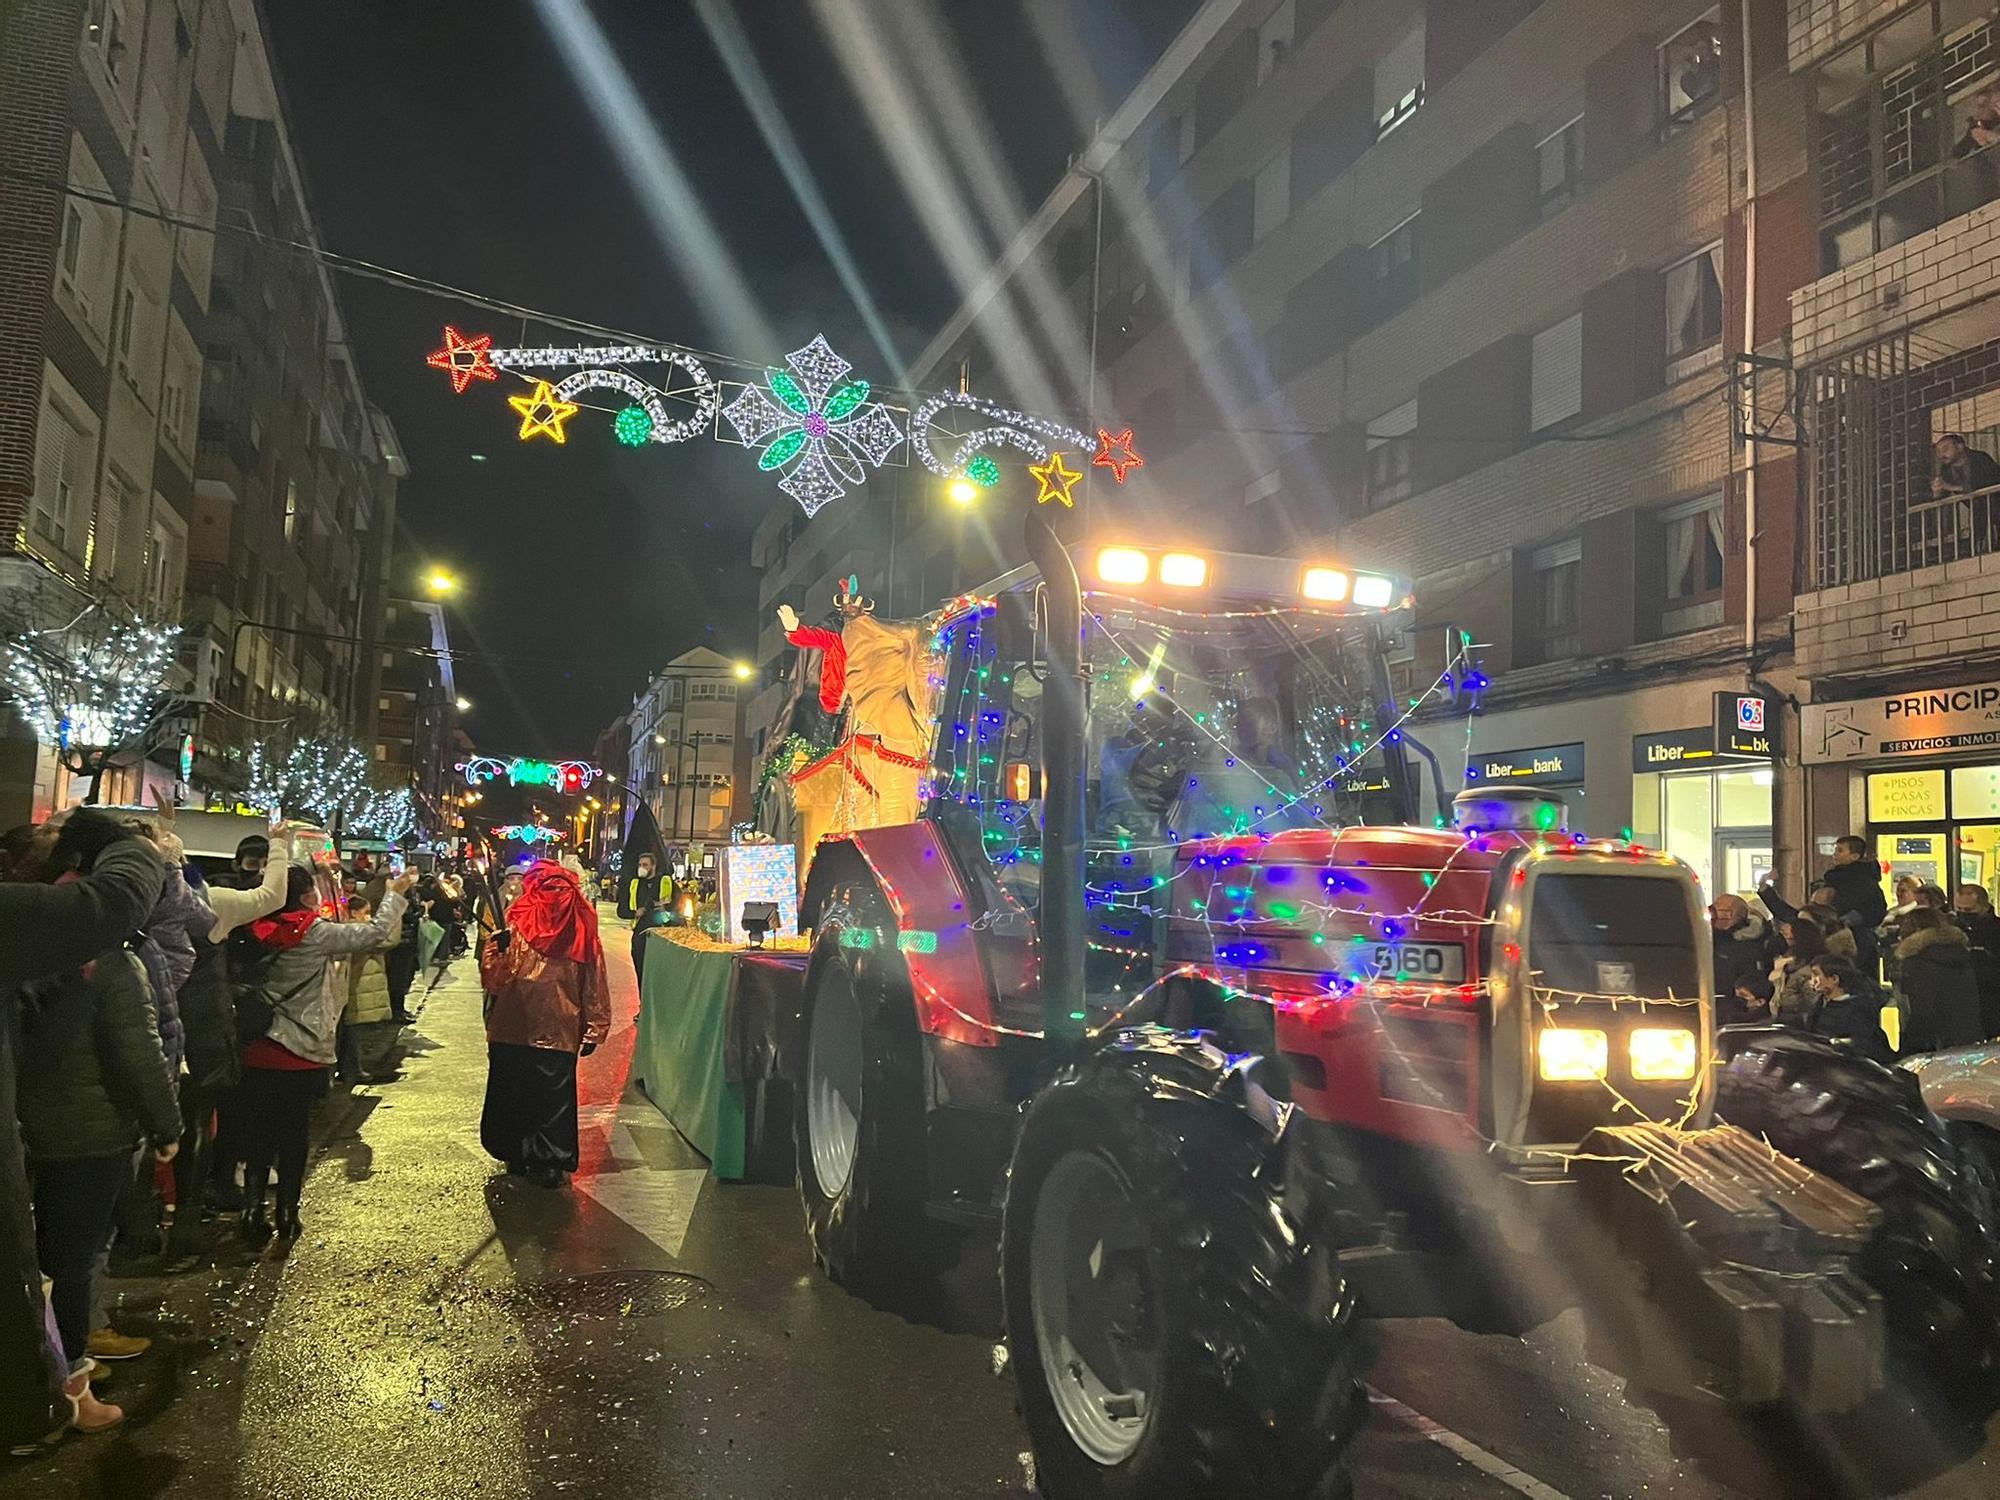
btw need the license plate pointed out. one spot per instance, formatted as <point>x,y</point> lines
<point>1437,963</point>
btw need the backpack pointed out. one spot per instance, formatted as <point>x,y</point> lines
<point>250,964</point>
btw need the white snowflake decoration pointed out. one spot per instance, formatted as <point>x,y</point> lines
<point>821,430</point>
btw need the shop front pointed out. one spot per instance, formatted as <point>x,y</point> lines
<point>1919,774</point>
<point>1703,793</point>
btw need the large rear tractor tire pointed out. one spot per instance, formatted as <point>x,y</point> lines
<point>858,1122</point>
<point>1932,1259</point>
<point>1173,1330</point>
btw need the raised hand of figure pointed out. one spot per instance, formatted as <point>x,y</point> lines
<point>788,617</point>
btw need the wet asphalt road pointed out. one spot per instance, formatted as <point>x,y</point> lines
<point>441,1331</point>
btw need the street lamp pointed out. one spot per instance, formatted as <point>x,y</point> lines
<point>744,671</point>
<point>463,705</point>
<point>962,491</point>
<point>441,583</point>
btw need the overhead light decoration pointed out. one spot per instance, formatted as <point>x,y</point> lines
<point>568,776</point>
<point>1117,454</point>
<point>1056,479</point>
<point>821,432</point>
<point>1000,427</point>
<point>543,412</point>
<point>528,833</point>
<point>633,426</point>
<point>464,359</point>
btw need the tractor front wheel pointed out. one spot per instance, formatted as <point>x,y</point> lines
<point>1173,1331</point>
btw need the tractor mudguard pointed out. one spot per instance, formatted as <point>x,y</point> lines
<point>1254,1353</point>
<point>1932,1260</point>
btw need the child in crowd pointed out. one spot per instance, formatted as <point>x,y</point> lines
<point>368,1026</point>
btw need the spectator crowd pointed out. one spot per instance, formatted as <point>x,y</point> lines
<point>165,1039</point>
<point>1920,976</point>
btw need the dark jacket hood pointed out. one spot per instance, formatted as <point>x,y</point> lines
<point>1939,944</point>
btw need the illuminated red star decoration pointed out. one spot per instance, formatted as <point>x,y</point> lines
<point>464,359</point>
<point>1055,477</point>
<point>1117,454</point>
<point>543,413</point>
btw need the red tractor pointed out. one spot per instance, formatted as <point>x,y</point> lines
<point>1227,1064</point>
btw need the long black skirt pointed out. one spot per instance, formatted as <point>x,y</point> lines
<point>530,1115</point>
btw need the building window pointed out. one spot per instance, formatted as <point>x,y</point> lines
<point>1691,565</point>
<point>1274,39</point>
<point>291,509</point>
<point>1392,447</point>
<point>1555,577</point>
<point>1555,373</point>
<point>72,240</point>
<point>1399,81</point>
<point>1559,163</point>
<point>1392,267</point>
<point>64,458</point>
<point>1272,194</point>
<point>1915,145</point>
<point>704,690</point>
<point>128,320</point>
<point>1694,305</point>
<point>1691,69</point>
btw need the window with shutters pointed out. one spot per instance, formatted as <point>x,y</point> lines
<point>1399,80</point>
<point>63,459</point>
<point>1392,456</point>
<point>1274,39</point>
<point>1691,70</point>
<point>1910,136</point>
<point>1691,565</point>
<point>1226,230</point>
<point>1392,269</point>
<point>72,242</point>
<point>1555,614</point>
<point>1694,309</point>
<point>1558,167</point>
<point>113,505</point>
<point>1555,374</point>
<point>1272,193</point>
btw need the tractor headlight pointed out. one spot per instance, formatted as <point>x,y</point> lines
<point>1663,1052</point>
<point>1573,1054</point>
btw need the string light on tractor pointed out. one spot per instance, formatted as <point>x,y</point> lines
<point>1056,479</point>
<point>464,359</point>
<point>821,432</point>
<point>543,413</point>
<point>1117,454</point>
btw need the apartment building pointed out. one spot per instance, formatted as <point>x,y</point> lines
<point>1896,339</point>
<point>295,492</point>
<point>416,738</point>
<point>111,122</point>
<point>1460,291</point>
<point>181,434</point>
<point>687,757</point>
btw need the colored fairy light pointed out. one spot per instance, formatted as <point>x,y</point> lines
<point>464,359</point>
<point>633,426</point>
<point>569,776</point>
<point>529,833</point>
<point>1117,454</point>
<point>1056,479</point>
<point>543,413</point>
<point>1021,431</point>
<point>822,433</point>
<point>983,471</point>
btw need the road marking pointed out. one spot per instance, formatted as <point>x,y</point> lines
<point>1465,1449</point>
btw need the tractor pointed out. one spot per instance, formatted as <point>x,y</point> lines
<point>1164,985</point>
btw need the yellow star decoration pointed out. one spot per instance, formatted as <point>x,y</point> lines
<point>1055,478</point>
<point>542,414</point>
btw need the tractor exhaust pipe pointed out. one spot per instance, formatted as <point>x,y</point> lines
<point>1063,770</point>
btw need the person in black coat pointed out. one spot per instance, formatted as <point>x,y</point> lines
<point>1973,911</point>
<point>1939,989</point>
<point>1849,1010</point>
<point>1743,943</point>
<point>1857,883</point>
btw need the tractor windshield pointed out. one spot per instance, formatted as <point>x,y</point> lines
<point>1206,725</point>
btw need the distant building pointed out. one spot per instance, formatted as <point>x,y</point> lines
<point>416,707</point>
<point>181,431</point>
<point>686,756</point>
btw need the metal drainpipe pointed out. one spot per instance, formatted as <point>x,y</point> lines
<point>1749,339</point>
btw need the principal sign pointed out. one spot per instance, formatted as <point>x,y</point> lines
<point>1545,765</point>
<point>1930,722</point>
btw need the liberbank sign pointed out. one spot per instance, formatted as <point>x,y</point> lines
<point>1933,721</point>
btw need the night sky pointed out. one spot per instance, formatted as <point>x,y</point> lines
<point>451,139</point>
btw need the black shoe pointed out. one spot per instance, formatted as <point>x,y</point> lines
<point>255,1228</point>
<point>288,1229</point>
<point>546,1177</point>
